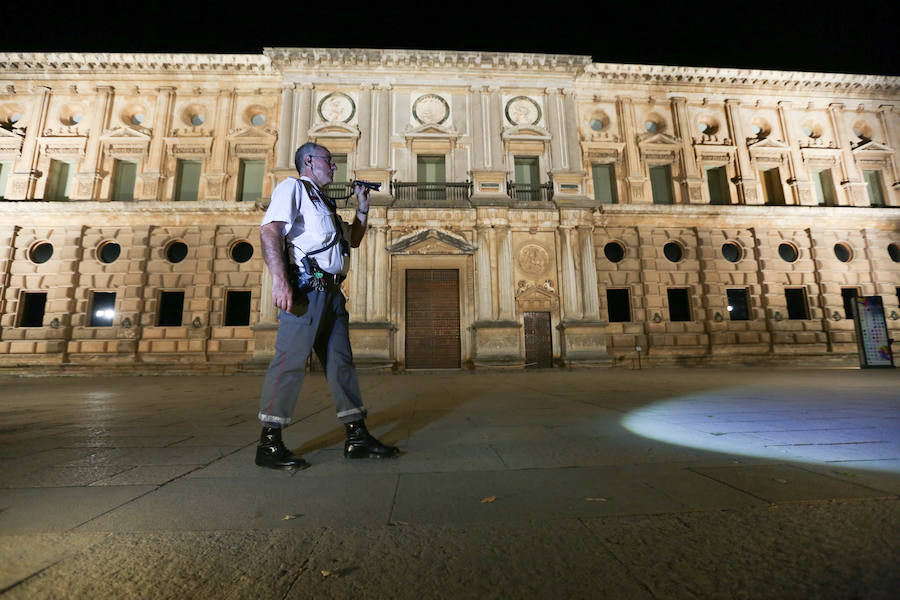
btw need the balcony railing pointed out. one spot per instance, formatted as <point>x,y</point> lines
<point>428,192</point>
<point>530,192</point>
<point>339,189</point>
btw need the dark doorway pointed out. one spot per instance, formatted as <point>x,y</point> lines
<point>538,341</point>
<point>432,319</point>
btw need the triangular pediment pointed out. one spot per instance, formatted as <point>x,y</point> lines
<point>526,132</point>
<point>125,134</point>
<point>431,241</point>
<point>533,292</point>
<point>6,133</point>
<point>872,146</point>
<point>431,129</point>
<point>250,134</point>
<point>333,129</point>
<point>659,139</point>
<point>768,144</point>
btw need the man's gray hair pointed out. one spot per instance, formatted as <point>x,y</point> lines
<point>307,149</point>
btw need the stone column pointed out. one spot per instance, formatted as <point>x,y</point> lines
<point>505,283</point>
<point>364,144</point>
<point>558,158</point>
<point>572,138</point>
<point>590,294</point>
<point>569,287</point>
<point>88,181</point>
<point>692,189</point>
<point>285,159</point>
<point>797,175</point>
<point>154,173</point>
<point>746,179</point>
<point>358,280</point>
<point>382,143</point>
<point>483,296</point>
<point>634,178</point>
<point>25,174</point>
<point>382,273</point>
<point>890,137</point>
<point>495,289</point>
<point>216,175</point>
<point>851,180</point>
<point>303,103</point>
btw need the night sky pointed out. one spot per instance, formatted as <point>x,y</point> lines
<point>756,35</point>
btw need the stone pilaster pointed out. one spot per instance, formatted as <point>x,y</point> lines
<point>154,174</point>
<point>590,295</point>
<point>797,175</point>
<point>483,295</point>
<point>25,174</point>
<point>851,181</point>
<point>635,179</point>
<point>215,175</point>
<point>88,181</point>
<point>364,143</point>
<point>285,158</point>
<point>571,304</point>
<point>505,283</point>
<point>692,186</point>
<point>745,177</point>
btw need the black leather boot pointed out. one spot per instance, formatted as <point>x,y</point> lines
<point>361,444</point>
<point>272,452</point>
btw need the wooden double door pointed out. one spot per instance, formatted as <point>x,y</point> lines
<point>432,319</point>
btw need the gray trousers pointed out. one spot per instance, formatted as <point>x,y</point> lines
<point>318,321</point>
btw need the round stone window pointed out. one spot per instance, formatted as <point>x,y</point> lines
<point>894,252</point>
<point>176,252</point>
<point>788,252</point>
<point>843,252</point>
<point>732,252</point>
<point>241,251</point>
<point>40,252</point>
<point>673,251</point>
<point>108,252</point>
<point>614,251</point>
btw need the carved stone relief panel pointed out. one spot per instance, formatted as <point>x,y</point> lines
<point>534,262</point>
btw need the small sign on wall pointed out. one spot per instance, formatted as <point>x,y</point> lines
<point>872,332</point>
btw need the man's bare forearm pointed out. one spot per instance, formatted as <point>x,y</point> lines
<point>273,254</point>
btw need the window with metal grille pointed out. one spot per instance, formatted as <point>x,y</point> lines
<point>618,304</point>
<point>171,309</point>
<point>849,296</point>
<point>31,313</point>
<point>103,309</point>
<point>738,307</point>
<point>797,305</point>
<point>237,308</point>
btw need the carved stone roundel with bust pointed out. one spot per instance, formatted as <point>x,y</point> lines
<point>431,109</point>
<point>337,107</point>
<point>533,259</point>
<point>522,110</point>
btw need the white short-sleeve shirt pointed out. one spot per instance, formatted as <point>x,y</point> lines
<point>309,225</point>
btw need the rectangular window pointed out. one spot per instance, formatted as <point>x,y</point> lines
<point>774,192</point>
<point>824,186</point>
<point>340,174</point>
<point>5,168</point>
<point>187,180</point>
<point>431,172</point>
<point>59,181</point>
<point>32,312</point>
<point>738,307</point>
<point>171,308</point>
<point>124,175</point>
<point>679,304</point>
<point>237,308</point>
<point>849,295</point>
<point>431,168</point>
<point>605,184</point>
<point>103,309</point>
<point>874,187</point>
<point>250,182</point>
<point>661,184</point>
<point>527,178</point>
<point>717,184</point>
<point>797,306</point>
<point>618,303</point>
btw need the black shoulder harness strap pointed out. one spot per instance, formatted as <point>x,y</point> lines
<point>337,225</point>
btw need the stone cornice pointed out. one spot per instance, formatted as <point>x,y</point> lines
<point>741,78</point>
<point>287,58</point>
<point>103,62</point>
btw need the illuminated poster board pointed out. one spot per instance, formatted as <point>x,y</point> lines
<point>872,332</point>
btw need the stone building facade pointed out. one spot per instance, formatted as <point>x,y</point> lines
<point>535,210</point>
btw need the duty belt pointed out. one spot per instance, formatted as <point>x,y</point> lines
<point>321,281</point>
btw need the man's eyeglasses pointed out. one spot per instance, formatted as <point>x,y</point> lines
<point>327,160</point>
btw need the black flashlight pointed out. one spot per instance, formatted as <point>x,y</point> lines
<point>368,184</point>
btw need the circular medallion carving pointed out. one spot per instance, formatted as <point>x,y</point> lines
<point>522,110</point>
<point>337,107</point>
<point>431,109</point>
<point>533,259</point>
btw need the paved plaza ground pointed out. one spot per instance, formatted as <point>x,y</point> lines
<point>609,483</point>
